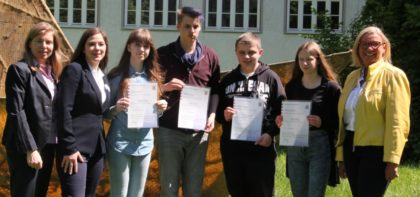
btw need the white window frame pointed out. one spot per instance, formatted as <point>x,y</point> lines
<point>69,22</point>
<point>151,25</point>
<point>232,27</point>
<point>300,28</point>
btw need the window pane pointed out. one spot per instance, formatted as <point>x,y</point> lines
<point>172,18</point>
<point>77,4</point>
<point>131,17</point>
<point>212,20</point>
<point>307,22</point>
<point>131,4</point>
<point>144,18</point>
<point>63,15</point>
<point>158,5</point>
<point>307,7</point>
<point>212,5</point>
<point>91,4</point>
<point>335,22</point>
<point>293,21</point>
<point>90,16</point>
<point>50,3</point>
<point>253,6</point>
<point>335,8</point>
<point>321,7</point>
<point>77,16</point>
<point>145,4</point>
<point>319,22</point>
<point>252,21</point>
<point>294,7</point>
<point>158,18</point>
<point>63,4</point>
<point>239,20</point>
<point>225,20</point>
<point>239,6</point>
<point>226,6</point>
<point>172,5</point>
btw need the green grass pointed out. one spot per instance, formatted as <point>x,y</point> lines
<point>407,185</point>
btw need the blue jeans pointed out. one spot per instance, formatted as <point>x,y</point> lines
<point>309,167</point>
<point>127,173</point>
<point>181,155</point>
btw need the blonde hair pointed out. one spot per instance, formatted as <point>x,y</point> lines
<point>248,38</point>
<point>371,30</point>
<point>57,57</point>
<point>322,65</point>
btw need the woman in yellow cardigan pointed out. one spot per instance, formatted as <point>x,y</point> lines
<point>373,116</point>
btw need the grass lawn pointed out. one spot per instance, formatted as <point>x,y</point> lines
<point>407,185</point>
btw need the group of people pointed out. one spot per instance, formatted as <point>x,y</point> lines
<point>56,112</point>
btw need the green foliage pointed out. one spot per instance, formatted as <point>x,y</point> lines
<point>400,21</point>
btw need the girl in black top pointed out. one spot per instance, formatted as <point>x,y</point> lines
<point>309,168</point>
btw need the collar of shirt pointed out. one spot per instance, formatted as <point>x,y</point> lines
<point>133,73</point>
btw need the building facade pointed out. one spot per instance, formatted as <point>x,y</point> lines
<point>279,23</point>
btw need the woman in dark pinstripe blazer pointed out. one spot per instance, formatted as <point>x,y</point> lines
<point>30,134</point>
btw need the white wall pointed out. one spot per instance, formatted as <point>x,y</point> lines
<point>278,46</point>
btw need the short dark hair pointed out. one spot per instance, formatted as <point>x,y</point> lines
<point>191,12</point>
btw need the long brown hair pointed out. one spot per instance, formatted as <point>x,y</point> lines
<point>323,67</point>
<point>57,57</point>
<point>150,64</point>
<point>79,56</point>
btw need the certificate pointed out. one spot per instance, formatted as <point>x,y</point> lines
<point>247,120</point>
<point>193,107</point>
<point>142,111</point>
<point>295,128</point>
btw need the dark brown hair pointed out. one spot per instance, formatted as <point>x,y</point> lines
<point>150,64</point>
<point>57,57</point>
<point>79,55</point>
<point>323,67</point>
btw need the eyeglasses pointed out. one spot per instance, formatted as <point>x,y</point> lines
<point>373,45</point>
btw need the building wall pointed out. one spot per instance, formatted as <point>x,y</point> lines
<point>277,44</point>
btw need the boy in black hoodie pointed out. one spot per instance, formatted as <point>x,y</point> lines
<point>250,166</point>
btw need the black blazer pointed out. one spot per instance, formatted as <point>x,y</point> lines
<point>30,111</point>
<point>79,111</point>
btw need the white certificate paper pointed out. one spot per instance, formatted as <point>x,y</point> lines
<point>142,112</point>
<point>193,107</point>
<point>247,120</point>
<point>295,128</point>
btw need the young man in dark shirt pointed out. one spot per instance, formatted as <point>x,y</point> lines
<point>186,61</point>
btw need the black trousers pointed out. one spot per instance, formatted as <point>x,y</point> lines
<point>84,182</point>
<point>365,168</point>
<point>26,181</point>
<point>249,169</point>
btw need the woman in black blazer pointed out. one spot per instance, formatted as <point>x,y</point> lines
<point>83,96</point>
<point>30,135</point>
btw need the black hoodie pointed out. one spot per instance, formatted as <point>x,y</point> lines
<point>264,84</point>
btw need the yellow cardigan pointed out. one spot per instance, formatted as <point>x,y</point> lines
<point>382,114</point>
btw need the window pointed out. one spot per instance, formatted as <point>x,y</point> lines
<point>233,15</point>
<point>79,13</point>
<point>151,13</point>
<point>302,15</point>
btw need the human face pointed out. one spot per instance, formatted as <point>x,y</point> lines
<point>248,54</point>
<point>189,29</point>
<point>371,49</point>
<point>138,52</point>
<point>95,49</point>
<point>307,62</point>
<point>42,46</point>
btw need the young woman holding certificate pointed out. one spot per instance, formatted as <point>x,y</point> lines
<point>309,168</point>
<point>129,149</point>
